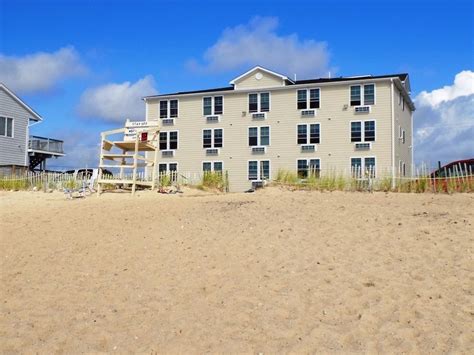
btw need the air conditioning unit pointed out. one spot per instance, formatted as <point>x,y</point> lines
<point>167,153</point>
<point>259,115</point>
<point>167,121</point>
<point>308,148</point>
<point>362,146</point>
<point>258,150</point>
<point>212,151</point>
<point>308,113</point>
<point>362,109</point>
<point>212,119</point>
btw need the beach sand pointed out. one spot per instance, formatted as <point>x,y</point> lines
<point>273,272</point>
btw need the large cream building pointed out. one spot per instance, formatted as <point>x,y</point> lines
<point>264,121</point>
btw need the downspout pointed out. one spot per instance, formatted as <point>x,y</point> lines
<point>393,131</point>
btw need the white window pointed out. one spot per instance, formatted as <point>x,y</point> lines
<point>363,167</point>
<point>403,136</point>
<point>168,108</point>
<point>259,136</point>
<point>216,166</point>
<point>308,167</point>
<point>308,133</point>
<point>168,170</point>
<point>212,105</point>
<point>167,167</point>
<point>212,138</point>
<point>169,140</point>
<point>307,99</point>
<point>259,170</point>
<point>259,102</point>
<point>365,135</point>
<point>362,95</point>
<point>6,127</point>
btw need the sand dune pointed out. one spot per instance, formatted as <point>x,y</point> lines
<point>274,271</point>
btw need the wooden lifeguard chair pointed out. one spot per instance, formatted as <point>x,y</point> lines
<point>139,137</point>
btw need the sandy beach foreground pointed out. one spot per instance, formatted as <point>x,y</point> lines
<point>274,271</point>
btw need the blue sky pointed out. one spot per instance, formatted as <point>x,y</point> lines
<point>76,52</point>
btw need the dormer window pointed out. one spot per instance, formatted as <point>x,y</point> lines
<point>259,102</point>
<point>367,99</point>
<point>307,98</point>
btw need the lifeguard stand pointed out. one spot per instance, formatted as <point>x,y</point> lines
<point>139,137</point>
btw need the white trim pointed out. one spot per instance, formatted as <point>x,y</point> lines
<point>283,77</point>
<point>212,137</point>
<point>307,162</point>
<point>21,102</point>
<point>362,130</point>
<point>212,97</point>
<point>259,136</point>
<point>168,108</point>
<point>45,152</point>
<point>212,162</point>
<point>167,163</point>
<point>392,138</point>
<point>13,128</point>
<point>308,103</point>
<point>259,101</point>
<point>308,133</point>
<point>259,178</point>
<point>362,162</point>
<point>362,94</point>
<point>168,140</point>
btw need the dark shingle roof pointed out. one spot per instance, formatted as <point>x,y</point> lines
<point>401,76</point>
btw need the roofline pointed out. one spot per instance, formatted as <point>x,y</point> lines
<point>297,84</point>
<point>258,67</point>
<point>21,102</point>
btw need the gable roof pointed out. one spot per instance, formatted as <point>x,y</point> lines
<point>35,114</point>
<point>258,67</point>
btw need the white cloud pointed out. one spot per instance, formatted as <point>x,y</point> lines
<point>257,43</point>
<point>444,122</point>
<point>117,102</point>
<point>463,86</point>
<point>40,71</point>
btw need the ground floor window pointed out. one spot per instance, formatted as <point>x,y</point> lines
<point>308,167</point>
<point>168,169</point>
<point>259,170</point>
<point>363,167</point>
<point>215,166</point>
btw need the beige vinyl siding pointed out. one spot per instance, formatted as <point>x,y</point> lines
<point>403,152</point>
<point>267,80</point>
<point>334,151</point>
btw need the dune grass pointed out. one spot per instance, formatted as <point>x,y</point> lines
<point>333,181</point>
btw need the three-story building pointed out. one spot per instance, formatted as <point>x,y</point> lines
<point>265,121</point>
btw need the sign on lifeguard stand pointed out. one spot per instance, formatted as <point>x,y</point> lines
<point>132,128</point>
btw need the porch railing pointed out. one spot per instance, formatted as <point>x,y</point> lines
<point>46,144</point>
